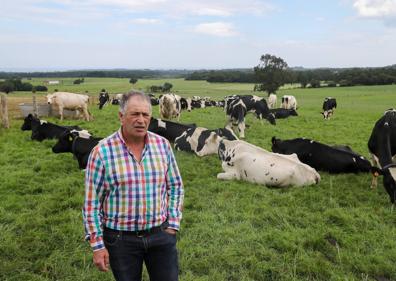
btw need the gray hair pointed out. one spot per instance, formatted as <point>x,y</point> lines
<point>126,97</point>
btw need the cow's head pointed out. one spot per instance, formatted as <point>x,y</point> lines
<point>276,145</point>
<point>65,142</point>
<point>208,145</point>
<point>327,113</point>
<point>27,122</point>
<point>50,98</point>
<point>293,112</point>
<point>226,133</point>
<point>271,118</point>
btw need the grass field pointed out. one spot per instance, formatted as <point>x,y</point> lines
<point>339,229</point>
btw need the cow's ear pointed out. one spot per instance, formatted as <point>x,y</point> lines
<point>273,140</point>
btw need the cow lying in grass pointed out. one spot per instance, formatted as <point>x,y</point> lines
<point>244,161</point>
<point>78,143</point>
<point>202,141</point>
<point>42,129</point>
<point>323,157</point>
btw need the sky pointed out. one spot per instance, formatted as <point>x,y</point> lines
<point>41,35</point>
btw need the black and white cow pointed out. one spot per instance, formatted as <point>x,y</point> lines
<point>202,141</point>
<point>238,106</point>
<point>185,104</point>
<point>42,129</point>
<point>116,99</point>
<point>283,113</point>
<point>169,106</point>
<point>104,98</point>
<point>236,112</point>
<point>80,145</point>
<point>168,129</point>
<point>328,107</point>
<point>244,161</point>
<point>382,146</point>
<point>323,157</point>
<point>154,101</point>
<point>289,102</point>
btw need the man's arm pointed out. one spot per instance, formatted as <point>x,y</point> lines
<point>175,192</point>
<point>94,190</point>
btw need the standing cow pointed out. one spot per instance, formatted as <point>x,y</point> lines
<point>71,101</point>
<point>169,106</point>
<point>103,98</point>
<point>289,102</point>
<point>382,146</point>
<point>328,107</point>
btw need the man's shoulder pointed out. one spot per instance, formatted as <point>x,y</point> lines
<point>108,141</point>
<point>157,139</point>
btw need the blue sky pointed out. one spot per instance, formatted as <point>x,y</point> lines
<point>195,34</point>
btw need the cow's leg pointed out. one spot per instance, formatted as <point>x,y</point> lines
<point>61,113</point>
<point>227,176</point>
<point>241,128</point>
<point>375,163</point>
<point>86,114</point>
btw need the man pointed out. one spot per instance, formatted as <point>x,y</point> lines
<point>133,198</point>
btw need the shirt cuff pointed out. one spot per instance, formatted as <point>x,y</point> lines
<point>97,243</point>
<point>174,223</point>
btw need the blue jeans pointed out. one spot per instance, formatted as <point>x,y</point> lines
<point>128,251</point>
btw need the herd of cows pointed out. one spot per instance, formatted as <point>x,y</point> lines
<point>293,162</point>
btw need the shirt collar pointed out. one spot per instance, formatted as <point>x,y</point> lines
<point>146,138</point>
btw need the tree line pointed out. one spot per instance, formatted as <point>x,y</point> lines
<point>306,77</point>
<point>99,73</point>
<point>11,85</point>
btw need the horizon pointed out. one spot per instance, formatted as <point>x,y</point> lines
<point>63,35</point>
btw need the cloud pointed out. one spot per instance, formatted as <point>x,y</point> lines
<point>223,8</point>
<point>221,29</point>
<point>375,8</point>
<point>213,12</point>
<point>145,21</point>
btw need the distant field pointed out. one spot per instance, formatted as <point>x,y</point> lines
<point>339,229</point>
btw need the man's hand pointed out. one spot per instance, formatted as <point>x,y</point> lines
<point>170,231</point>
<point>101,259</point>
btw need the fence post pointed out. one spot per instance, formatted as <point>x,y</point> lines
<point>35,110</point>
<point>4,111</point>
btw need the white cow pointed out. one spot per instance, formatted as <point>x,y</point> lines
<point>169,106</point>
<point>244,161</point>
<point>289,102</point>
<point>71,101</point>
<point>271,101</point>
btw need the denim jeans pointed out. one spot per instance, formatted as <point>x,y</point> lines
<point>127,253</point>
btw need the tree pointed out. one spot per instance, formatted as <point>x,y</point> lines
<point>166,87</point>
<point>271,73</point>
<point>133,80</point>
<point>6,87</point>
<point>40,88</point>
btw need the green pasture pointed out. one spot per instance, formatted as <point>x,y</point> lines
<point>339,229</point>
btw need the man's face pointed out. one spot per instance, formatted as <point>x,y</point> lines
<point>136,118</point>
